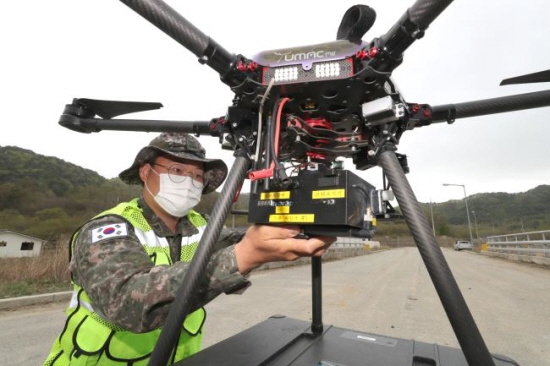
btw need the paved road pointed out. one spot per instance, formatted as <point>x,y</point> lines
<point>386,293</point>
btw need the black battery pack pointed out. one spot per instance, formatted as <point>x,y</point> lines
<point>333,202</point>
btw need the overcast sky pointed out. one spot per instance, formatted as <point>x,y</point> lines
<point>54,51</point>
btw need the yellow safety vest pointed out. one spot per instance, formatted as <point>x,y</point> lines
<point>88,339</point>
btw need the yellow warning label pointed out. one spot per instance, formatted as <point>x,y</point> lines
<point>282,209</point>
<point>328,193</point>
<point>292,218</point>
<point>275,195</point>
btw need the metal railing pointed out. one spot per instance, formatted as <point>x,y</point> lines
<point>533,244</point>
<point>354,243</point>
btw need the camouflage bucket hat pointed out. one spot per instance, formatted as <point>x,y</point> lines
<point>179,146</point>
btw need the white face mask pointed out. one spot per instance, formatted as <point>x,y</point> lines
<point>177,199</point>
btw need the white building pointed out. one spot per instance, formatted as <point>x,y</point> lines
<point>16,245</point>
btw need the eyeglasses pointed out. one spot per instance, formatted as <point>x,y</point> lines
<point>177,174</point>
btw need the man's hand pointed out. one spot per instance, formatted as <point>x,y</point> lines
<point>266,243</point>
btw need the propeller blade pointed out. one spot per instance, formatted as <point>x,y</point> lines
<point>79,116</point>
<point>112,108</point>
<point>536,77</point>
<point>89,125</point>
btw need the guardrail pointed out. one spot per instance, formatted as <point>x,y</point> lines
<point>348,242</point>
<point>342,248</point>
<point>531,246</point>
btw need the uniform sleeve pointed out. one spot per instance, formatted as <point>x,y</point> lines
<point>110,264</point>
<point>227,236</point>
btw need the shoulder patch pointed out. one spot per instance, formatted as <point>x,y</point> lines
<point>109,231</point>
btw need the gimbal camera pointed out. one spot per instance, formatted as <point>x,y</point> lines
<point>295,113</point>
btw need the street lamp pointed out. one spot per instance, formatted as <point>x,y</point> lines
<point>467,210</point>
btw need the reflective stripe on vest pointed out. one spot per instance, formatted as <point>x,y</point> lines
<point>88,337</point>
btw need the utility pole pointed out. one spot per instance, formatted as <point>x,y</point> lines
<point>467,210</point>
<point>475,222</point>
<point>432,214</point>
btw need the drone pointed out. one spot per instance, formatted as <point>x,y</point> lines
<point>295,114</point>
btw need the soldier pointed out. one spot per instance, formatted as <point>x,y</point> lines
<point>128,262</point>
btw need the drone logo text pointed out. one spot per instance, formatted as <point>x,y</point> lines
<point>301,56</point>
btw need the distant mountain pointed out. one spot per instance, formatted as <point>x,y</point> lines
<point>45,196</point>
<point>49,173</point>
<point>525,211</point>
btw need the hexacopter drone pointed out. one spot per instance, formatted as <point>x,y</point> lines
<point>294,113</point>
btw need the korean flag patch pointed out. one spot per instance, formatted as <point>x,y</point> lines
<point>109,231</point>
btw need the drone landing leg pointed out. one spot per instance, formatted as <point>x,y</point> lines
<point>459,315</point>
<point>181,306</point>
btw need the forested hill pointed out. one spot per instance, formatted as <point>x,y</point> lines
<point>46,196</point>
<point>49,173</point>
<point>500,213</point>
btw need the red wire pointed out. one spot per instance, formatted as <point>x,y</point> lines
<point>278,125</point>
<point>266,173</point>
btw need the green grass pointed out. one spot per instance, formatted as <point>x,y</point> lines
<point>26,289</point>
<point>36,275</point>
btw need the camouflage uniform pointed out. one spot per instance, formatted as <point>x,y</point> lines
<point>129,290</point>
<point>117,274</point>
